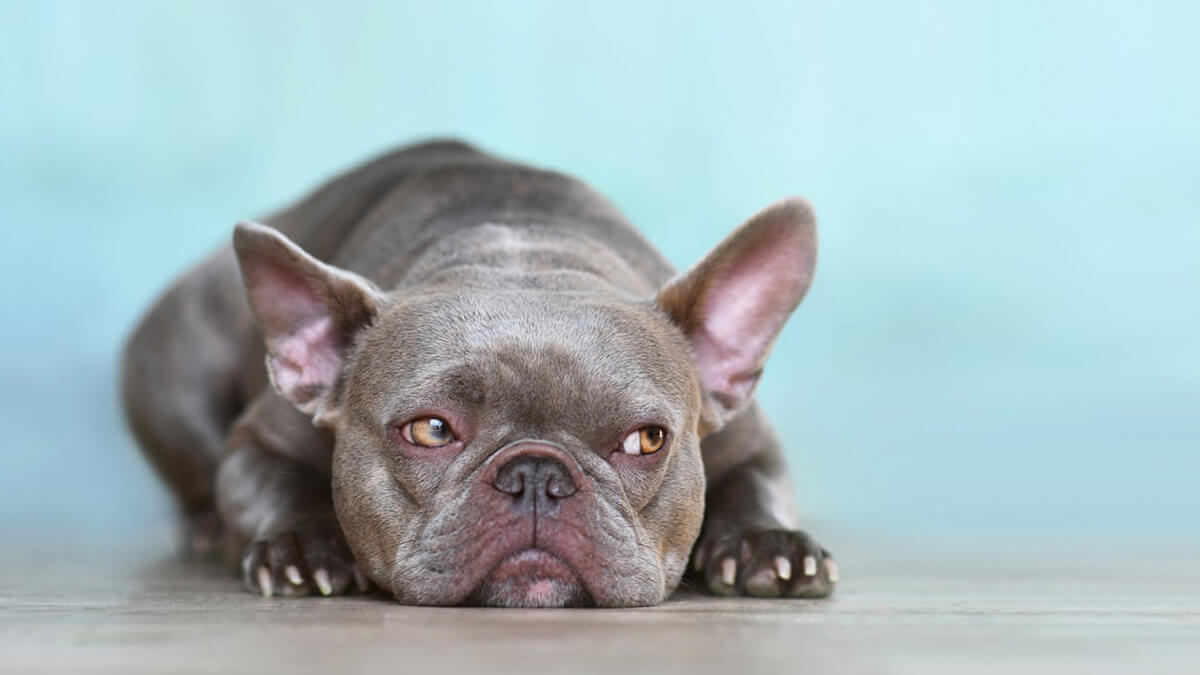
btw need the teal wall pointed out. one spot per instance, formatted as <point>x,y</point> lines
<point>1003,340</point>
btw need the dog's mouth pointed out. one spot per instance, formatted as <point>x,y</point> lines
<point>532,577</point>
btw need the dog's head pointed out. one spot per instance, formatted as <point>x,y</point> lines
<point>529,439</point>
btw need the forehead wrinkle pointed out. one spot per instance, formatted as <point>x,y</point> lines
<point>459,383</point>
<point>564,380</point>
<point>515,352</point>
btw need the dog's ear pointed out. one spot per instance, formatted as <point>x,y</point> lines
<point>308,313</point>
<point>732,304</point>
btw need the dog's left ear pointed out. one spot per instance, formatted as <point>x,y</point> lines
<point>309,313</point>
<point>732,304</point>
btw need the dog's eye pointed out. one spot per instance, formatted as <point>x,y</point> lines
<point>644,441</point>
<point>429,432</point>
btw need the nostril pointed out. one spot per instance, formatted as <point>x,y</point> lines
<point>554,477</point>
<point>559,485</point>
<point>511,480</point>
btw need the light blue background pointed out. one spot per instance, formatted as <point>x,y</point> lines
<point>1003,342</point>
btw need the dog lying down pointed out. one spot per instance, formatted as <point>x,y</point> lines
<point>482,387</point>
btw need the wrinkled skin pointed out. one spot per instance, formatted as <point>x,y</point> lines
<point>436,526</point>
<point>519,308</point>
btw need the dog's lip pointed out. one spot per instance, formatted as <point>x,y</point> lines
<point>530,572</point>
<point>534,562</point>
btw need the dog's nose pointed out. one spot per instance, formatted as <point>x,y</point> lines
<point>535,482</point>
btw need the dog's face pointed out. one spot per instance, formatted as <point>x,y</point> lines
<point>520,448</point>
<point>519,445</point>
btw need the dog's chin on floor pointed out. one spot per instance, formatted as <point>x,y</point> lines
<point>531,578</point>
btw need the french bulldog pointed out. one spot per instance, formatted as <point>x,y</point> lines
<point>482,386</point>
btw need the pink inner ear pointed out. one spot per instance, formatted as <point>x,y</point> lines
<point>742,311</point>
<point>306,362</point>
<point>302,337</point>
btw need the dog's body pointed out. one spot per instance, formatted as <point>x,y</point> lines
<point>515,420</point>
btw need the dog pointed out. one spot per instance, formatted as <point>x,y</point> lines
<point>482,387</point>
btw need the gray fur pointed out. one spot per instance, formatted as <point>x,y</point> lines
<point>520,306</point>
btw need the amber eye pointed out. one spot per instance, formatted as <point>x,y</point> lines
<point>644,441</point>
<point>430,432</point>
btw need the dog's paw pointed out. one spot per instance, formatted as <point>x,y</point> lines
<point>308,558</point>
<point>765,563</point>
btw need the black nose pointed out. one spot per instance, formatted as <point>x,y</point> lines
<point>536,483</point>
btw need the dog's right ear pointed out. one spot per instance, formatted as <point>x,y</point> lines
<point>308,313</point>
<point>732,304</point>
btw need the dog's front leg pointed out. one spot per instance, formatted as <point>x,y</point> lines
<point>750,544</point>
<point>279,503</point>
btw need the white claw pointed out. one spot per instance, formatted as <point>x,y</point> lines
<point>293,575</point>
<point>810,566</point>
<point>321,578</point>
<point>783,568</point>
<point>264,582</point>
<point>831,570</point>
<point>728,571</point>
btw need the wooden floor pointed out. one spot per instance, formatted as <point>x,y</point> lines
<point>1021,613</point>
